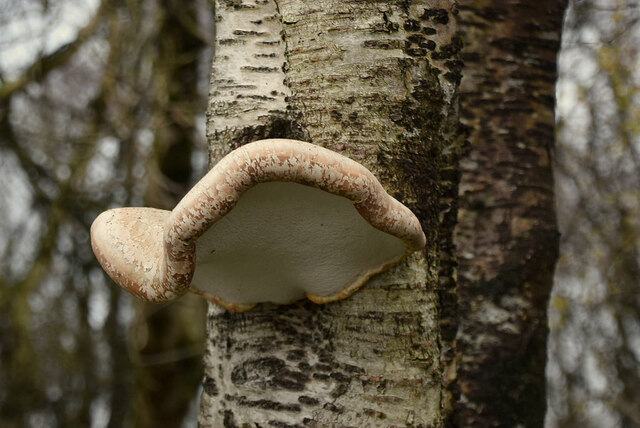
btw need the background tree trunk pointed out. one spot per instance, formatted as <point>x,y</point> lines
<point>506,237</point>
<point>379,83</point>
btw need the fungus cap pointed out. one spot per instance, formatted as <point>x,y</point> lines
<point>274,221</point>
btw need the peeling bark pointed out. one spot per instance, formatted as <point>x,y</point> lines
<point>377,82</point>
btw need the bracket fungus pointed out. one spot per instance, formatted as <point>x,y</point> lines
<point>274,221</point>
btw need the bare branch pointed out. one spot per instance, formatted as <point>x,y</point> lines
<point>45,64</point>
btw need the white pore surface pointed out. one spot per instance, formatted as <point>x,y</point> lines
<point>283,239</point>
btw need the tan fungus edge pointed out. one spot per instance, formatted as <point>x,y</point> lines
<point>357,283</point>
<point>233,307</point>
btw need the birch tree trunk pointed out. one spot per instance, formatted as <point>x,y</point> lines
<point>357,78</point>
<point>378,82</point>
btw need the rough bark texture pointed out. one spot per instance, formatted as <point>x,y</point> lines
<point>377,82</point>
<point>506,237</point>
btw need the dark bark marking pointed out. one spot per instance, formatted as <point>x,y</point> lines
<point>261,69</point>
<point>387,26</point>
<point>411,25</point>
<point>229,42</point>
<point>333,408</point>
<point>429,31</point>
<point>449,50</point>
<point>382,44</point>
<point>322,367</point>
<point>235,4</point>
<point>209,386</point>
<point>248,33</point>
<point>254,97</point>
<point>304,399</point>
<point>416,52</point>
<point>439,16</point>
<point>416,162</point>
<point>290,379</point>
<point>339,390</point>
<point>304,366</point>
<point>228,420</point>
<point>296,354</point>
<point>374,413</point>
<point>275,127</point>
<point>269,405</point>
<point>269,372</point>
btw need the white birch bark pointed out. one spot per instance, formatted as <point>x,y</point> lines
<point>376,81</point>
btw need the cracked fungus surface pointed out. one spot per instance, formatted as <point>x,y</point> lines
<point>128,243</point>
<point>283,240</point>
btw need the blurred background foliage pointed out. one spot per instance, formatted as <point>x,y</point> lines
<point>594,353</point>
<point>102,105</point>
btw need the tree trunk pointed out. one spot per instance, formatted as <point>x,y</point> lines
<point>377,82</point>
<point>506,237</point>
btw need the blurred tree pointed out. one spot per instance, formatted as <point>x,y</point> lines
<point>594,366</point>
<point>170,359</point>
<point>506,236</point>
<point>105,118</point>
